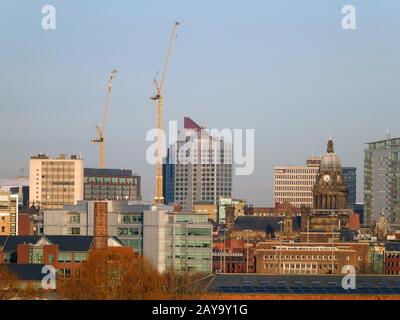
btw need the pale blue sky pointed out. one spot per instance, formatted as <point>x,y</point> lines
<point>283,68</point>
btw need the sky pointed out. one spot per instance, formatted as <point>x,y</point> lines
<point>286,69</point>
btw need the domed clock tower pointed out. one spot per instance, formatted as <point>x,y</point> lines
<point>329,190</point>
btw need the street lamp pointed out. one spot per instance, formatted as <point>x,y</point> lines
<point>247,260</point>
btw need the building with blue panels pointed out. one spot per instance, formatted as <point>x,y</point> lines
<point>349,177</point>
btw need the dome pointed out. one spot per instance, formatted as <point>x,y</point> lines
<point>330,161</point>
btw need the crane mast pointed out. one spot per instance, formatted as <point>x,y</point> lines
<point>100,130</point>
<point>159,98</point>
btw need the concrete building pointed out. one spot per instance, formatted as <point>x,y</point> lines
<point>111,184</point>
<point>180,241</point>
<point>19,186</point>
<point>381,180</point>
<point>201,166</point>
<point>294,184</point>
<point>8,214</point>
<point>124,220</point>
<point>55,182</point>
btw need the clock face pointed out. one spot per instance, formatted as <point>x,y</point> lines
<point>326,177</point>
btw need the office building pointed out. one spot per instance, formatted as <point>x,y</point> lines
<point>201,167</point>
<point>294,184</point>
<point>55,182</point>
<point>19,186</point>
<point>180,241</point>
<point>350,181</point>
<point>381,180</point>
<point>124,220</point>
<point>168,180</point>
<point>8,214</point>
<point>111,184</point>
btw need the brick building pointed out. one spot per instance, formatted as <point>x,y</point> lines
<point>65,253</point>
<point>392,258</point>
<point>233,256</point>
<point>311,258</point>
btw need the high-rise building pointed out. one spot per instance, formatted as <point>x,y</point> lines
<point>294,184</point>
<point>350,180</point>
<point>382,180</point>
<point>202,167</point>
<point>8,214</point>
<point>55,182</point>
<point>111,184</point>
<point>168,180</point>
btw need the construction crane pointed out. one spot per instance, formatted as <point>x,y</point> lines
<point>159,98</point>
<point>100,130</point>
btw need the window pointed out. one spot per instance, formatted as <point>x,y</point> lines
<point>64,257</point>
<point>80,257</point>
<point>75,231</point>
<point>35,255</point>
<point>75,218</point>
<point>65,273</point>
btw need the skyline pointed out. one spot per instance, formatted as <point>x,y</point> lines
<point>299,68</point>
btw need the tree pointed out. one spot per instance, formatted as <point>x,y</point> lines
<point>8,284</point>
<point>113,274</point>
<point>184,285</point>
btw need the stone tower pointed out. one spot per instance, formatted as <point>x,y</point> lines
<point>329,191</point>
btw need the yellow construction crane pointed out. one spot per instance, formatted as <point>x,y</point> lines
<point>159,98</point>
<point>100,130</point>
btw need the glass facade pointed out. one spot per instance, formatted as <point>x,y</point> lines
<point>382,180</point>
<point>189,243</point>
<point>349,177</point>
<point>111,184</point>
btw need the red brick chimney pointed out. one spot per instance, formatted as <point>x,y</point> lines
<point>100,230</point>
